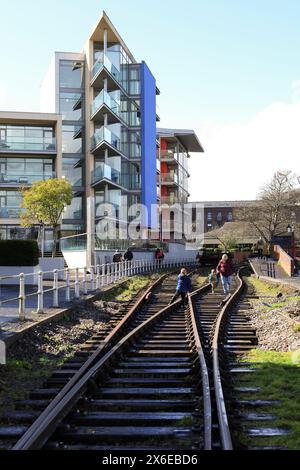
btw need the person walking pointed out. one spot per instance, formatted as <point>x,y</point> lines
<point>184,285</point>
<point>117,258</point>
<point>128,255</point>
<point>226,271</point>
<point>260,247</point>
<point>213,280</point>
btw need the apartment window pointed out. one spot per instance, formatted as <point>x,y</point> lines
<point>33,138</point>
<point>69,144</point>
<point>67,102</point>
<point>135,145</point>
<point>74,210</point>
<point>219,217</point>
<point>134,80</point>
<point>70,172</point>
<point>71,74</point>
<point>25,170</point>
<point>229,217</point>
<point>209,216</point>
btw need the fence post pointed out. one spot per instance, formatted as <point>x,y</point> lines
<point>103,275</point>
<point>40,305</point>
<point>22,297</point>
<point>84,282</point>
<point>92,278</point>
<point>77,286</point>
<point>68,293</point>
<point>107,274</point>
<point>55,288</point>
<point>97,277</point>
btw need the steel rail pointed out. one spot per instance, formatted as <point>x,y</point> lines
<point>28,436</point>
<point>52,419</point>
<point>37,434</point>
<point>205,377</point>
<point>224,429</point>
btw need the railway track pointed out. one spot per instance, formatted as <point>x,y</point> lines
<point>163,383</point>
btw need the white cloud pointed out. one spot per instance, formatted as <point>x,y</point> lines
<point>240,158</point>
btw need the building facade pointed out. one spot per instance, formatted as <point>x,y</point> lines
<point>30,150</point>
<point>217,213</point>
<point>103,105</point>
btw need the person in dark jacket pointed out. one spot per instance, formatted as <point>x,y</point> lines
<point>128,255</point>
<point>184,285</point>
<point>117,258</point>
<point>226,271</point>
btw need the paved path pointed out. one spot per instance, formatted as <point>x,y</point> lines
<point>260,270</point>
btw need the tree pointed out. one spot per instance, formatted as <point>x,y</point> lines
<point>44,203</point>
<point>228,241</point>
<point>273,209</point>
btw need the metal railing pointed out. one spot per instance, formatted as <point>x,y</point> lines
<point>80,281</point>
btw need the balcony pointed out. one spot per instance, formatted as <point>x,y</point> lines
<point>106,175</point>
<point>169,179</point>
<point>102,69</point>
<point>28,145</point>
<point>23,180</point>
<point>168,156</point>
<point>105,139</point>
<point>105,104</point>
<point>10,212</point>
<point>168,200</point>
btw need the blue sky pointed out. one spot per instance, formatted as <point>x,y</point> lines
<point>218,63</point>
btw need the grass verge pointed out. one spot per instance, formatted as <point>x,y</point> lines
<point>278,376</point>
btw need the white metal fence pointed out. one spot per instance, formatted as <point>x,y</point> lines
<point>81,281</point>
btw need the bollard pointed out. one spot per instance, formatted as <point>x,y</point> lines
<point>68,293</point>
<point>55,288</point>
<point>40,304</point>
<point>22,297</point>
<point>77,286</point>
<point>97,277</point>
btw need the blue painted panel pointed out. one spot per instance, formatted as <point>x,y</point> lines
<point>148,118</point>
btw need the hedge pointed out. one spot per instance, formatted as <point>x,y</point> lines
<point>19,253</point>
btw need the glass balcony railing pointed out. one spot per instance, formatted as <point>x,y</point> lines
<point>157,164</point>
<point>106,171</point>
<point>168,200</point>
<point>29,144</point>
<point>10,212</point>
<point>169,154</point>
<point>105,134</point>
<point>24,178</point>
<point>105,98</point>
<point>104,61</point>
<point>169,178</point>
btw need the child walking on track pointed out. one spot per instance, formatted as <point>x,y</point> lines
<point>213,280</point>
<point>184,286</point>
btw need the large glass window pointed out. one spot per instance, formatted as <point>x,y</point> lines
<point>71,74</point>
<point>25,170</point>
<point>71,172</point>
<point>10,204</point>
<point>69,144</point>
<point>74,211</point>
<point>35,138</point>
<point>67,103</point>
<point>134,80</point>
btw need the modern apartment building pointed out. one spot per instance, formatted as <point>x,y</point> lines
<point>103,105</point>
<point>30,150</point>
